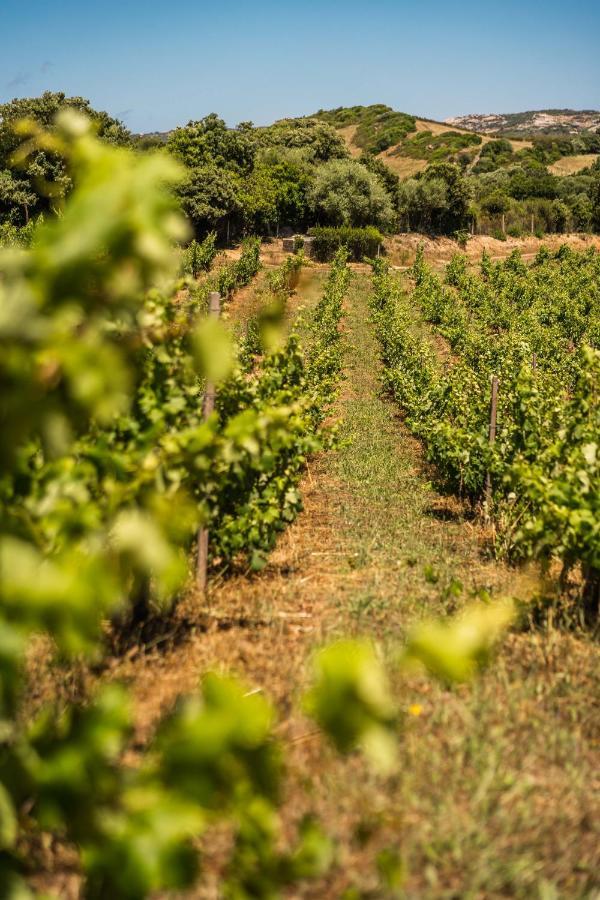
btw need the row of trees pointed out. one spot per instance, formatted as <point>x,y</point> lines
<point>298,173</point>
<point>294,173</point>
<point>514,200</point>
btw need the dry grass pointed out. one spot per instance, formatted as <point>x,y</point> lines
<point>407,167</point>
<point>442,128</point>
<point>516,144</point>
<point>570,165</point>
<point>348,132</point>
<point>438,127</point>
<point>401,248</point>
<point>246,302</point>
<point>403,166</point>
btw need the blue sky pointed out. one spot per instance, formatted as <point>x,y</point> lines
<point>159,64</point>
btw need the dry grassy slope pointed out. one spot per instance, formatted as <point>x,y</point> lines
<point>348,132</point>
<point>406,166</point>
<point>570,165</point>
<point>442,128</point>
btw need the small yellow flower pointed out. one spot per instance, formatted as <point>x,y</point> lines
<point>415,709</point>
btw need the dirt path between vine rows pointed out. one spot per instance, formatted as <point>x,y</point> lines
<point>498,787</point>
<point>354,560</point>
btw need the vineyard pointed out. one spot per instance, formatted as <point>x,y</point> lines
<point>357,697</point>
<point>529,335</point>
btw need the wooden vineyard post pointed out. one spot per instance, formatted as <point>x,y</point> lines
<point>492,440</point>
<point>534,361</point>
<point>208,405</point>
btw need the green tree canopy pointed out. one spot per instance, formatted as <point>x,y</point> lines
<point>44,110</point>
<point>320,140</point>
<point>595,202</point>
<point>346,193</point>
<point>43,179</point>
<point>438,201</point>
<point>389,179</point>
<point>209,141</point>
<point>495,204</point>
<point>581,209</point>
<point>532,181</point>
<point>209,195</point>
<point>15,195</point>
<point>423,201</point>
<point>458,196</point>
<point>276,193</point>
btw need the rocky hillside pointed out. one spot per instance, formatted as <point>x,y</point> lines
<point>544,121</point>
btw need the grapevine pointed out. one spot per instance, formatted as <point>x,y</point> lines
<point>537,329</point>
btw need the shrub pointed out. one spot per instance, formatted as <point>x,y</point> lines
<point>15,236</point>
<point>346,193</point>
<point>462,237</point>
<point>360,242</point>
<point>199,257</point>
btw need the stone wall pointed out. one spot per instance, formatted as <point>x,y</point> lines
<point>299,242</point>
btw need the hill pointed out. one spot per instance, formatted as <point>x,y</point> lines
<point>405,143</point>
<point>389,169</point>
<point>543,121</point>
<point>373,129</point>
<point>565,141</point>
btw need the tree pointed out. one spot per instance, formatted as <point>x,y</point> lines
<point>235,176</point>
<point>258,200</point>
<point>595,202</point>
<point>388,179</point>
<point>488,183</point>
<point>561,216</point>
<point>209,196</point>
<point>15,195</point>
<point>423,202</point>
<point>493,155</point>
<point>581,210</point>
<point>496,204</point>
<point>320,140</point>
<point>346,193</point>
<point>533,181</point>
<point>438,200</point>
<point>277,191</point>
<point>209,142</point>
<point>44,110</point>
<point>43,181</point>
<point>455,214</point>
